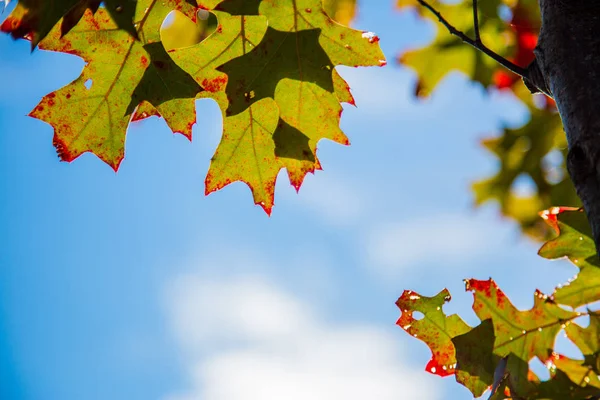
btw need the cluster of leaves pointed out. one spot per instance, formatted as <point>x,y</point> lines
<point>533,153</point>
<point>270,65</point>
<point>495,355</point>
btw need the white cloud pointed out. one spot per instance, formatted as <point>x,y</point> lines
<point>246,339</point>
<point>205,310</point>
<point>448,239</point>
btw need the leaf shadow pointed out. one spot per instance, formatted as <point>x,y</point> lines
<point>291,143</point>
<point>163,80</point>
<point>293,55</point>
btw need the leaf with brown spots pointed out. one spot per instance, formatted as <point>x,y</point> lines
<point>285,51</point>
<point>526,334</point>
<point>92,113</point>
<point>498,350</point>
<point>35,19</point>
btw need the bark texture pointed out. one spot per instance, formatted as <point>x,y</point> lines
<point>568,57</point>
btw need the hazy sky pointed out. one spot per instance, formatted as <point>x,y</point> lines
<point>136,286</point>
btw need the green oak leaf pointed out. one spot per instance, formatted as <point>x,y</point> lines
<point>574,241</point>
<point>588,341</point>
<point>577,371</point>
<point>476,362</point>
<point>562,387</point>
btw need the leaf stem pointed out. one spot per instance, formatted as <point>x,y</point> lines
<point>476,22</point>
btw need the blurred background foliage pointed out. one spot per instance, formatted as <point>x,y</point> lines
<point>531,173</point>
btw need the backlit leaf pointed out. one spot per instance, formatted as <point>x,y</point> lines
<point>563,387</point>
<point>587,339</point>
<point>342,11</point>
<point>36,18</point>
<point>574,241</point>
<point>435,328</point>
<point>285,51</point>
<point>93,112</point>
<point>476,362</point>
<point>496,354</point>
<point>526,334</point>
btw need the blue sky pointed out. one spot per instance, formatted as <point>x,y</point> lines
<point>135,285</point>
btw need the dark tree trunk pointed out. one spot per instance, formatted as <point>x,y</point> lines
<point>568,57</point>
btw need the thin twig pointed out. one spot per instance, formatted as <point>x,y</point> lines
<point>522,72</point>
<point>476,22</point>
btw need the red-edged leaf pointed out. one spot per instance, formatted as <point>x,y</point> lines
<point>284,51</point>
<point>435,328</point>
<point>575,242</point>
<point>93,112</point>
<point>526,334</point>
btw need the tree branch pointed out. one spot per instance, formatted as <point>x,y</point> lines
<point>477,44</point>
<point>568,58</point>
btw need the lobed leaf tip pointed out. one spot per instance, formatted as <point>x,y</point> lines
<point>475,285</point>
<point>435,368</point>
<point>117,164</point>
<point>267,207</point>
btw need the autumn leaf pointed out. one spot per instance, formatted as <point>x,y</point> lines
<point>583,372</point>
<point>476,362</point>
<point>248,152</point>
<point>342,11</point>
<point>587,339</point>
<point>36,18</point>
<point>285,51</point>
<point>523,333</point>
<point>568,382</point>
<point>435,328</point>
<point>497,351</point>
<point>93,112</point>
<point>575,242</point>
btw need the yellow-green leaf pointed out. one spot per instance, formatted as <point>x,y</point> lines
<point>93,112</point>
